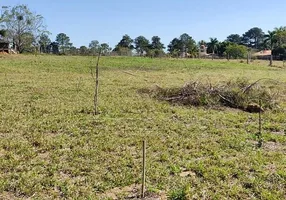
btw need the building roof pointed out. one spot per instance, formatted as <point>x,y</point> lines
<point>263,53</point>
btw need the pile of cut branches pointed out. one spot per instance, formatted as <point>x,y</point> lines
<point>240,94</point>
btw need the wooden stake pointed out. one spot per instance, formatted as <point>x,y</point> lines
<point>260,127</point>
<point>96,85</point>
<point>248,55</point>
<point>144,170</point>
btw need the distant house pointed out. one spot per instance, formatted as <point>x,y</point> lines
<point>264,54</point>
<point>4,47</point>
<point>203,52</point>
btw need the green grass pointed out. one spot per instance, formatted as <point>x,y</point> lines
<point>51,146</point>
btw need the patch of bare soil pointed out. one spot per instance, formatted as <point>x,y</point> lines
<point>2,153</point>
<point>8,196</point>
<point>271,168</point>
<point>279,133</point>
<point>187,174</point>
<point>273,146</point>
<point>270,146</point>
<point>131,192</point>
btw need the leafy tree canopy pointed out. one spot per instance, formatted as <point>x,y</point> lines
<point>20,23</point>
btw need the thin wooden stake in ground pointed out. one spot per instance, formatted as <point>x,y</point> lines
<point>248,55</point>
<point>143,170</point>
<point>96,85</point>
<point>260,127</point>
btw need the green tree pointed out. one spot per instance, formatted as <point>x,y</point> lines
<point>73,51</point>
<point>236,51</point>
<point>53,47</point>
<point>213,46</point>
<point>202,42</point>
<point>156,47</point>
<point>175,47</point>
<point>29,43</point>
<point>280,52</point>
<point>221,48</point>
<point>156,43</point>
<point>184,46</point>
<point>142,45</point>
<point>126,42</point>
<point>253,37</point>
<point>234,38</point>
<point>44,43</point>
<point>270,41</point>
<point>2,33</point>
<point>105,49</point>
<point>64,42</point>
<point>94,46</point>
<point>188,45</point>
<point>20,22</point>
<point>281,35</point>
<point>83,50</point>
<point>124,47</point>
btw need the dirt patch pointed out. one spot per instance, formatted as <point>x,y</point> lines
<point>8,196</point>
<point>239,94</point>
<point>187,174</point>
<point>2,153</point>
<point>118,192</point>
<point>283,133</point>
<point>271,168</point>
<point>273,146</point>
<point>44,156</point>
<point>131,192</point>
<point>270,146</point>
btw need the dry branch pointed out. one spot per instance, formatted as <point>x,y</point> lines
<point>235,94</point>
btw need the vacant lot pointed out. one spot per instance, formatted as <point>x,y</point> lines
<point>51,146</point>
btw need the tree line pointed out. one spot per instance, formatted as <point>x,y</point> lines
<point>27,32</point>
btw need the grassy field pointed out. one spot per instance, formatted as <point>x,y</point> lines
<point>52,147</point>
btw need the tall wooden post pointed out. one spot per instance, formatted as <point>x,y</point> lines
<point>143,170</point>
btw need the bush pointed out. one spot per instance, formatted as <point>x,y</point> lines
<point>236,51</point>
<point>280,52</point>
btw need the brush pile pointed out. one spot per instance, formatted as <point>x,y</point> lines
<point>240,94</point>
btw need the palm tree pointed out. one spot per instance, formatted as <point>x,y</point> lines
<point>202,42</point>
<point>280,34</point>
<point>270,40</point>
<point>213,44</point>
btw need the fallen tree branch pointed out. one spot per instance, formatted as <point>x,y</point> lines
<point>228,101</point>
<point>254,83</point>
<point>129,73</point>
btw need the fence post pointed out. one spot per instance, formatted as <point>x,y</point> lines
<point>260,126</point>
<point>143,170</point>
<point>96,85</point>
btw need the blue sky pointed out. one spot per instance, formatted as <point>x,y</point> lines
<point>108,20</point>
